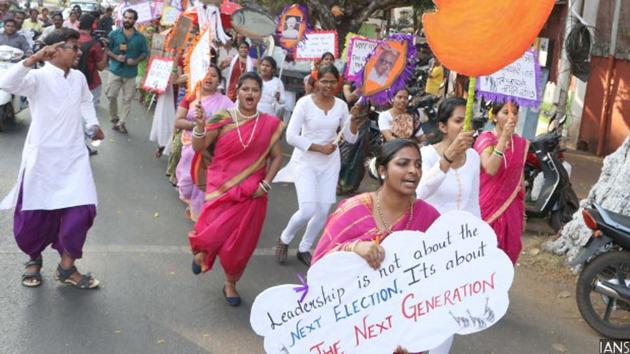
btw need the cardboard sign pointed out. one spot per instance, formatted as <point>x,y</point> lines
<point>518,81</point>
<point>316,44</point>
<point>384,67</point>
<point>292,25</point>
<point>182,30</point>
<point>452,279</point>
<point>158,74</point>
<point>198,60</point>
<point>359,48</point>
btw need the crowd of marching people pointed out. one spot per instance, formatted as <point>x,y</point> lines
<point>224,144</point>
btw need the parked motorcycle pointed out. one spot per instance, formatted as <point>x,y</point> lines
<point>603,287</point>
<point>10,104</point>
<point>555,198</point>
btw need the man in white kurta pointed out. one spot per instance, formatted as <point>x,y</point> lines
<point>55,195</point>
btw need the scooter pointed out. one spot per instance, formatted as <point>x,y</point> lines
<point>10,104</point>
<point>603,287</point>
<point>555,198</point>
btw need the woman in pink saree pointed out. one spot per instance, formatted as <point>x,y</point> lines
<point>501,195</point>
<point>246,157</point>
<point>211,101</point>
<point>361,222</point>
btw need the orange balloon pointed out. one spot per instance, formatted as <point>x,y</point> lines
<point>479,37</point>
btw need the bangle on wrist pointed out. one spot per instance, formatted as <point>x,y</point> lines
<point>498,153</point>
<point>447,159</point>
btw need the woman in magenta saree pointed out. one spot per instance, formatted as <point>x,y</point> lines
<point>246,158</point>
<point>501,195</point>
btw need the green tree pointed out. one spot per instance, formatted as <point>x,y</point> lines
<point>355,12</point>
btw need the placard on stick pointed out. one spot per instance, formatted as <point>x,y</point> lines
<point>182,29</point>
<point>158,74</point>
<point>452,279</point>
<point>317,43</point>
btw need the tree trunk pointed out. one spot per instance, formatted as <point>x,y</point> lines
<point>612,192</point>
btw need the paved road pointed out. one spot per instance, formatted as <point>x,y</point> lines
<point>151,303</point>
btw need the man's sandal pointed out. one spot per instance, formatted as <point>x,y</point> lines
<point>33,279</point>
<point>86,281</point>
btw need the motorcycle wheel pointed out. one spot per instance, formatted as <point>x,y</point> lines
<point>610,317</point>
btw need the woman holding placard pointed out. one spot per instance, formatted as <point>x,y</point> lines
<point>361,222</point>
<point>315,164</point>
<point>501,196</point>
<point>212,101</point>
<point>246,158</point>
<point>273,96</point>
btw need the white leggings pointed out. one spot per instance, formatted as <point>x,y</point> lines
<point>315,214</point>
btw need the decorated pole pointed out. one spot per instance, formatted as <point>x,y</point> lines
<point>470,100</point>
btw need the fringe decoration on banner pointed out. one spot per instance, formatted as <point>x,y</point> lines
<point>384,97</point>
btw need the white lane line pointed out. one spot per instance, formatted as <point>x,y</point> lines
<point>149,249</point>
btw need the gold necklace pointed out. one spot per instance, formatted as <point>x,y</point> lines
<point>238,128</point>
<point>379,210</point>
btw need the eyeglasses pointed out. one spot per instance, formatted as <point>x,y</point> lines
<point>383,61</point>
<point>74,47</point>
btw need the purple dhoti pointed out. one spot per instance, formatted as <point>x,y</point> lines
<point>65,229</point>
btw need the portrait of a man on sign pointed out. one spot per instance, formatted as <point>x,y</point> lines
<point>291,27</point>
<point>384,67</point>
<point>384,64</point>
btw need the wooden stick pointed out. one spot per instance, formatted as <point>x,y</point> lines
<point>470,100</point>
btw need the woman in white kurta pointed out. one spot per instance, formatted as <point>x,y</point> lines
<point>315,164</point>
<point>450,171</point>
<point>272,97</point>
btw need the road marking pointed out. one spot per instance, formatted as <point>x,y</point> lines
<point>149,249</point>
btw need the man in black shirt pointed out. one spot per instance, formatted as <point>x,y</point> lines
<point>106,22</point>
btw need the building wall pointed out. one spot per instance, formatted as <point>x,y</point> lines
<point>620,117</point>
<point>554,30</point>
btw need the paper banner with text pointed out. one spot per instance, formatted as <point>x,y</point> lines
<point>158,74</point>
<point>451,280</point>
<point>387,69</point>
<point>198,60</point>
<point>357,50</point>
<point>519,82</point>
<point>315,44</point>
<point>292,25</point>
<point>147,10</point>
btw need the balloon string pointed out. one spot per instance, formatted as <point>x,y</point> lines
<point>470,100</point>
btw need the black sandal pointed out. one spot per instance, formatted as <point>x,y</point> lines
<point>86,282</point>
<point>36,276</point>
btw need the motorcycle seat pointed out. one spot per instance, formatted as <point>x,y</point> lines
<point>619,221</point>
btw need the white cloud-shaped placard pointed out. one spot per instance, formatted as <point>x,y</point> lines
<point>452,279</point>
